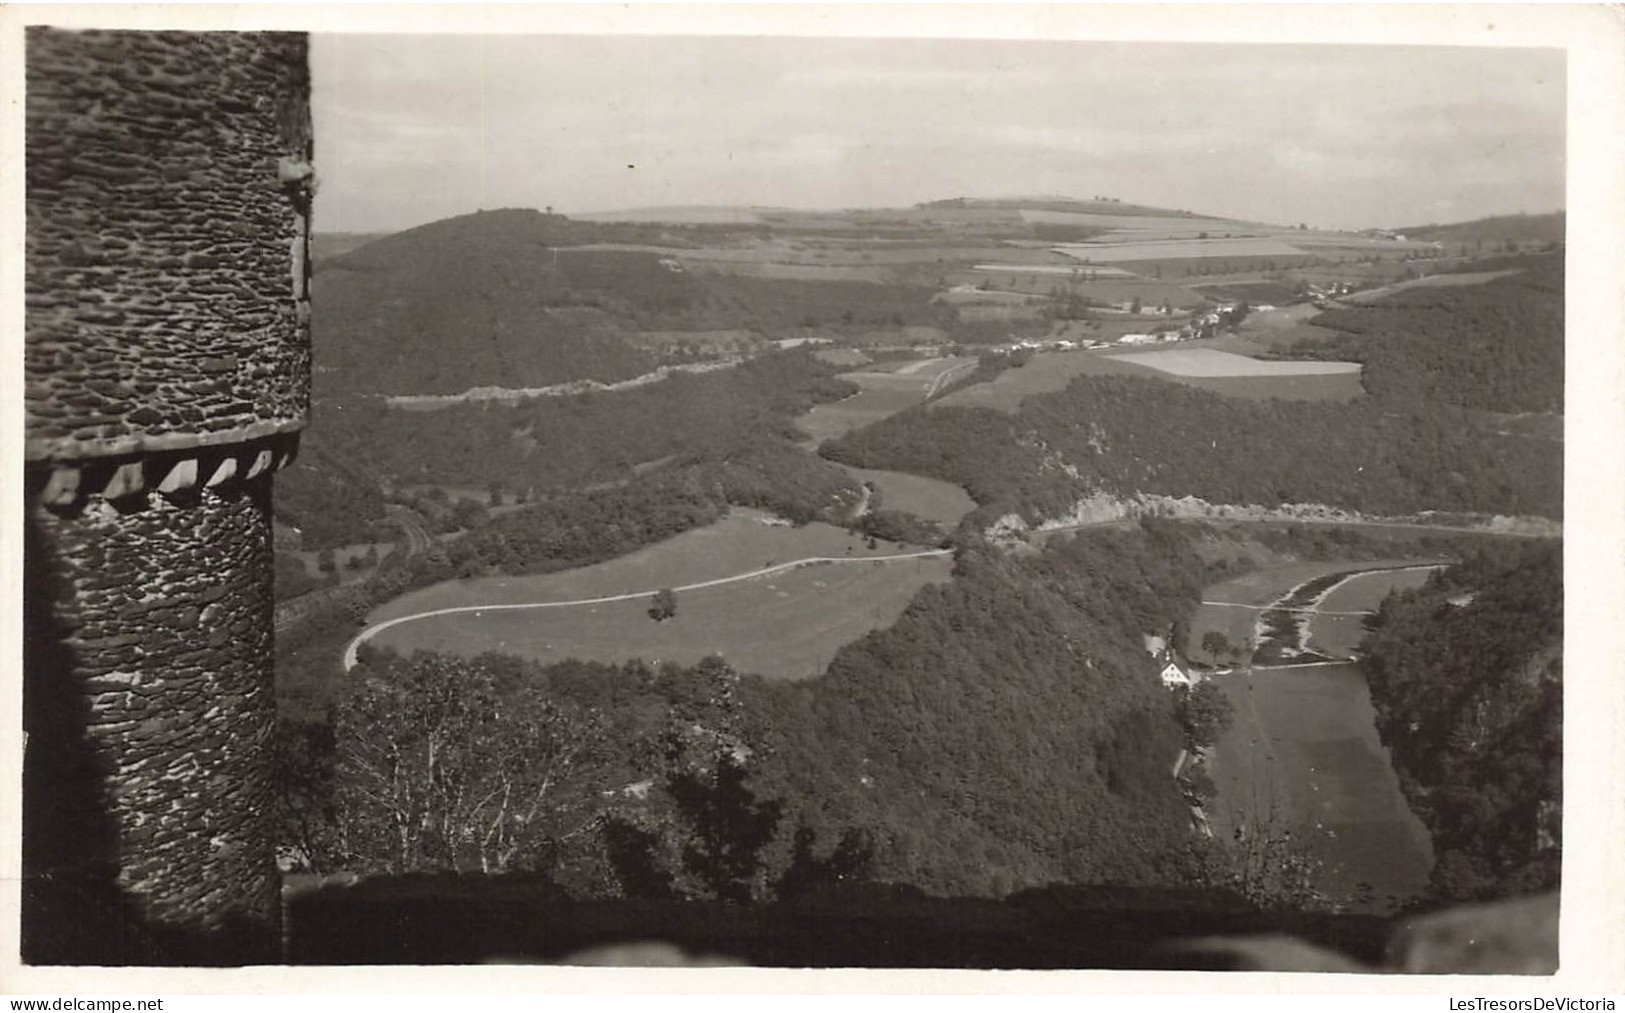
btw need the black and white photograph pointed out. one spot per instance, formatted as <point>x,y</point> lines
<point>958,489</point>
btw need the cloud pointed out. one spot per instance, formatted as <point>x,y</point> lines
<point>1382,133</point>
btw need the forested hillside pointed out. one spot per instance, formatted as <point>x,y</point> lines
<point>1497,346</point>
<point>1466,675</point>
<point>547,444</point>
<point>466,303</point>
<point>1008,731</point>
<point>1127,435</point>
<point>1547,228</point>
<point>506,298</point>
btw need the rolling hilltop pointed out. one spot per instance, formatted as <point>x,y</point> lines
<point>468,301</point>
<point>520,298</point>
<point>1547,228</point>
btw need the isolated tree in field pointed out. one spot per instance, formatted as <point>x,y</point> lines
<point>325,561</point>
<point>663,605</point>
<point>1215,643</point>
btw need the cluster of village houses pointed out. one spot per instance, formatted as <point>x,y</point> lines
<point>1205,324</point>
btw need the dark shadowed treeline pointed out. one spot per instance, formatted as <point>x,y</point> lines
<point>1466,675</point>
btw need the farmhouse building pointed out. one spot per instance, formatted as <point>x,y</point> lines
<point>1173,674</point>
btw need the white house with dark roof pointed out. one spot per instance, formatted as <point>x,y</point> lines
<point>1173,674</point>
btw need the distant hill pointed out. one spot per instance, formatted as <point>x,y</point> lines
<point>511,298</point>
<point>489,298</point>
<point>327,245</point>
<point>1094,206</point>
<point>687,214</point>
<point>1547,228</point>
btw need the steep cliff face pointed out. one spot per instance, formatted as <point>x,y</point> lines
<point>167,360</point>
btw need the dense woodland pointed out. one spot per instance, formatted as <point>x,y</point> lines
<point>1131,434</point>
<point>1494,347</point>
<point>1466,675</point>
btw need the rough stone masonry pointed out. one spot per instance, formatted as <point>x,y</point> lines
<point>167,364</point>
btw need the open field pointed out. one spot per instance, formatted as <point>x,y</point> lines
<point>883,394</point>
<point>739,542</point>
<point>1260,588</point>
<point>1307,387</point>
<point>1431,281</point>
<point>1149,291</point>
<point>963,295</point>
<point>841,356</point>
<point>1303,757</point>
<point>873,403</point>
<point>1178,249</point>
<point>786,624</point>
<point>1044,373</point>
<point>1123,222</point>
<point>1210,362</point>
<point>788,272</point>
<point>1281,318</point>
<point>930,498</point>
<point>1047,372</point>
<point>1072,270</point>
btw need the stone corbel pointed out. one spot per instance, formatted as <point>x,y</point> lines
<point>177,476</point>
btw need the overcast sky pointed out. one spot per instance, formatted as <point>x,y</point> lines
<point>411,129</point>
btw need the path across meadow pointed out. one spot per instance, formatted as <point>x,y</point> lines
<point>350,651</point>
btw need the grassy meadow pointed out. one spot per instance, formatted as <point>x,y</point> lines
<point>929,498</point>
<point>784,626</point>
<point>1303,757</point>
<point>886,390</point>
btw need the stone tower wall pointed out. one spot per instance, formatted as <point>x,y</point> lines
<point>167,361</point>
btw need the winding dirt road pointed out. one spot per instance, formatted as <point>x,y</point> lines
<point>354,646</point>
